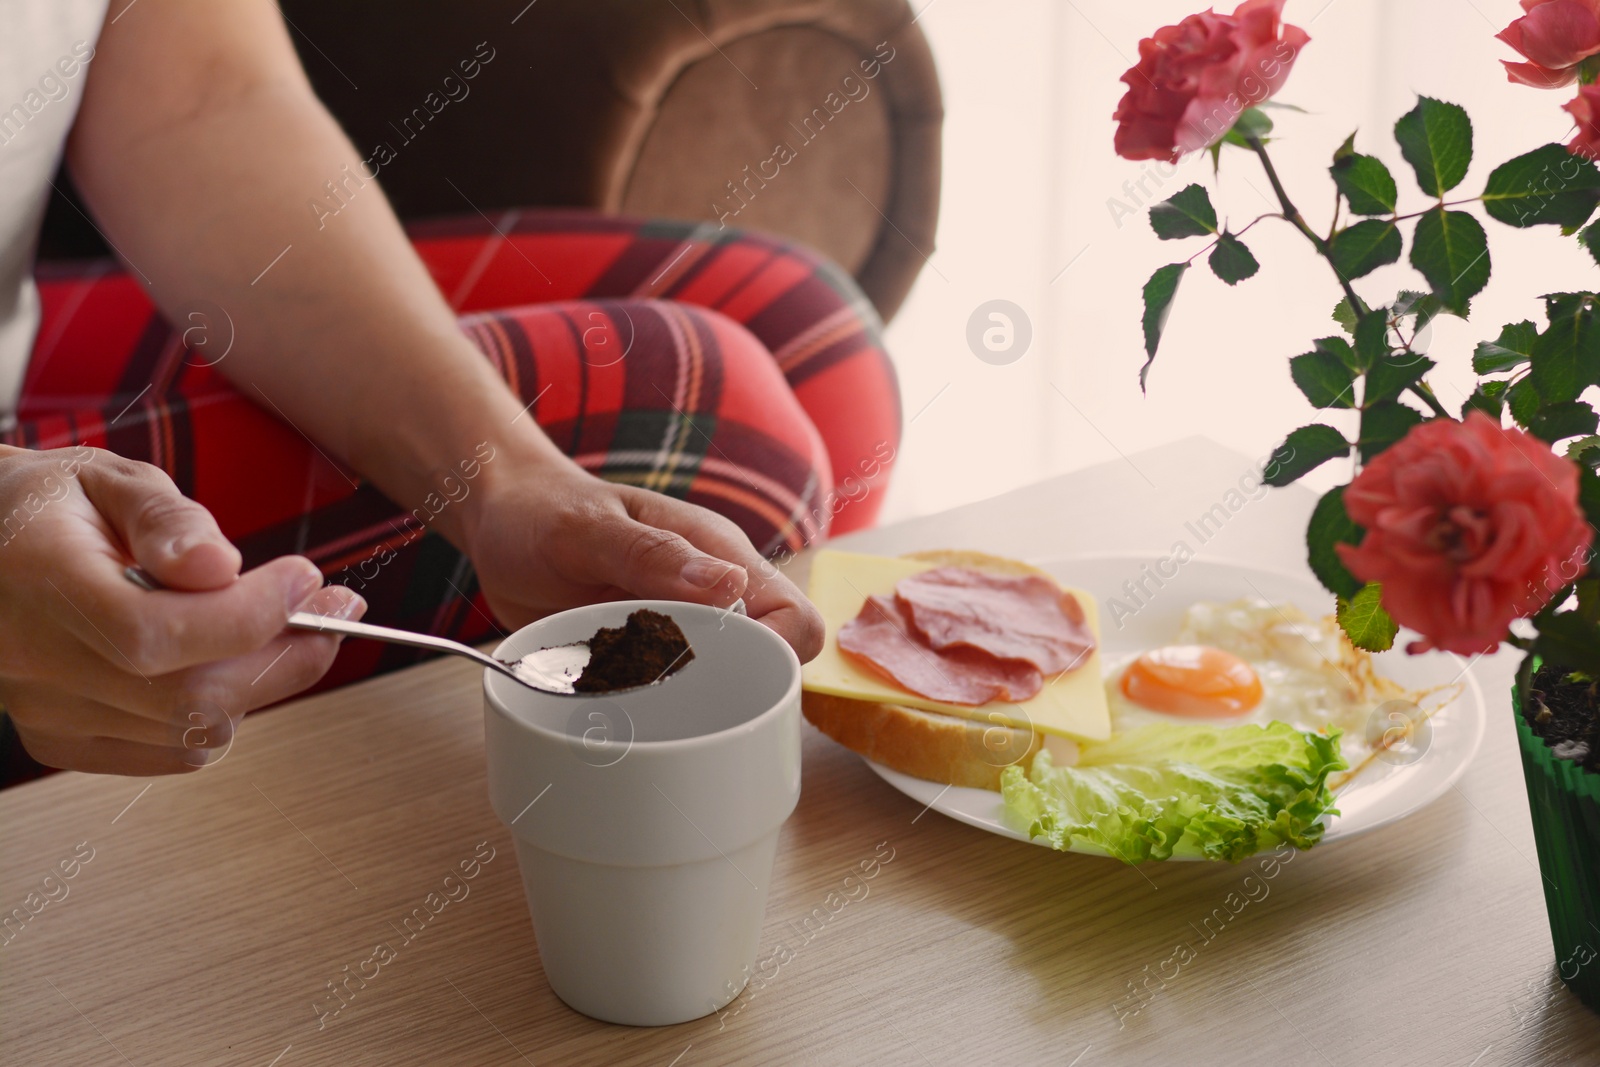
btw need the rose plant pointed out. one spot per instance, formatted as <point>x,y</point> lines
<point>1454,525</point>
<point>1472,527</point>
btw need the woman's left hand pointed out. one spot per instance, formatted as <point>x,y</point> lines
<point>546,535</point>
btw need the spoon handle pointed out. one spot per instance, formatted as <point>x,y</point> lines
<point>305,620</point>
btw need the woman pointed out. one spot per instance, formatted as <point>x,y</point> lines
<point>319,408</point>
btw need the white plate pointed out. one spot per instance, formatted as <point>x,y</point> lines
<point>1381,794</point>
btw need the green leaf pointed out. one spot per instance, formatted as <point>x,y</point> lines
<point>1329,526</point>
<point>1452,252</point>
<point>1578,450</point>
<point>1565,358</point>
<point>1589,494</point>
<point>1571,418</point>
<point>1588,590</point>
<point>1511,349</point>
<point>1158,294</point>
<point>1568,639</point>
<point>1383,424</point>
<point>1345,315</point>
<point>1252,122</point>
<point>1364,621</point>
<point>1325,379</point>
<point>1304,450</point>
<point>1436,139</point>
<point>1425,307</point>
<point>1523,400</point>
<point>1188,213</point>
<point>1361,249</point>
<point>1366,183</point>
<point>1590,238</point>
<point>1488,397</point>
<point>1546,186</point>
<point>1348,148</point>
<point>1372,338</point>
<point>1340,349</point>
<point>1231,260</point>
<point>1393,375</point>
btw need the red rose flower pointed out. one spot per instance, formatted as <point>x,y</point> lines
<point>1468,527</point>
<point>1195,79</point>
<point>1585,111</point>
<point>1555,35</point>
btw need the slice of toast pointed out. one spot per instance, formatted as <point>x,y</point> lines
<point>923,744</point>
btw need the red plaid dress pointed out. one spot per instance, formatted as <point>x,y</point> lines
<point>730,369</point>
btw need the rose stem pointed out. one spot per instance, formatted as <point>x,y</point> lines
<point>1292,214</point>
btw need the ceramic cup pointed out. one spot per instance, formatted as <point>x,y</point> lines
<point>646,823</point>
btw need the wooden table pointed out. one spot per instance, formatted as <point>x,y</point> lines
<point>217,907</point>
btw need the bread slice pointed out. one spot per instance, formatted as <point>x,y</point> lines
<point>923,744</point>
<point>926,744</point>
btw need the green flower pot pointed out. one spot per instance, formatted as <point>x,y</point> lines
<point>1564,800</point>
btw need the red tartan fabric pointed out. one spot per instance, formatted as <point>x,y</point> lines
<point>731,369</point>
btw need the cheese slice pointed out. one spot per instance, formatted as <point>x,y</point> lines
<point>1071,704</point>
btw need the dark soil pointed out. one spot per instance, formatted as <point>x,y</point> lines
<point>645,649</point>
<point>1564,710</point>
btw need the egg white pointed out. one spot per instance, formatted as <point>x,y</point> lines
<point>1311,678</point>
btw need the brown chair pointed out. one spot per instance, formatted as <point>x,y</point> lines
<point>667,108</point>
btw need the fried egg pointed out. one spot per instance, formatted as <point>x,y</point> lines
<point>1249,661</point>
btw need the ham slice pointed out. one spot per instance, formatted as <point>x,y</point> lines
<point>884,638</point>
<point>1009,617</point>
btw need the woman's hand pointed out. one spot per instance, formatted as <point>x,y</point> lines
<point>544,535</point>
<point>100,675</point>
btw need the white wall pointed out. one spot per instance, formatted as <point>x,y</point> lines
<point>1028,168</point>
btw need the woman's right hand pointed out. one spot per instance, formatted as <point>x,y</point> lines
<point>100,675</point>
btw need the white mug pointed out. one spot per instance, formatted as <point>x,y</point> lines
<point>646,823</point>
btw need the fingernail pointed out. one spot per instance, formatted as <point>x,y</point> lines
<point>336,602</point>
<point>303,586</point>
<point>704,572</point>
<point>181,544</point>
<point>349,605</point>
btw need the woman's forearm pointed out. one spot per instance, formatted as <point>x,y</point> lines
<point>335,325</point>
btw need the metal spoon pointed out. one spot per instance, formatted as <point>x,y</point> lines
<point>549,670</point>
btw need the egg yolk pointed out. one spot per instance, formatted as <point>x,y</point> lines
<point>1194,681</point>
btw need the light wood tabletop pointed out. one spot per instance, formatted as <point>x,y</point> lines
<point>206,915</point>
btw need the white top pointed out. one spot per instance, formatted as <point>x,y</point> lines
<point>44,52</point>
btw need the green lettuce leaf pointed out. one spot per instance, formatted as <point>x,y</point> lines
<point>1217,792</point>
